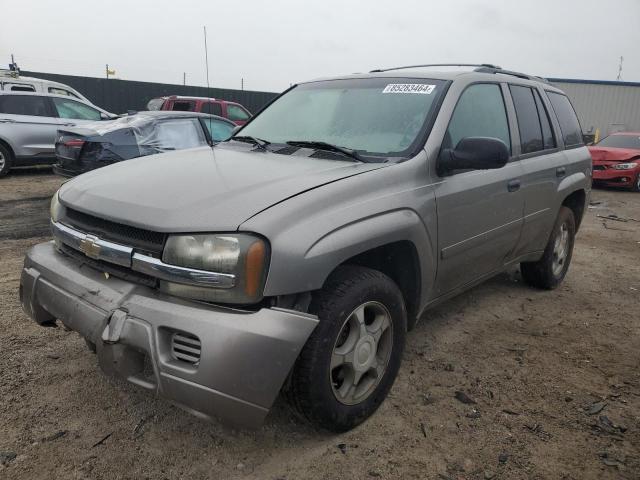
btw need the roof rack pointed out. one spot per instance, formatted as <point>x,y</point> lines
<point>478,65</point>
<point>480,68</point>
<point>488,69</point>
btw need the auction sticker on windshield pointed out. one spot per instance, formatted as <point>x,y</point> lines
<point>421,88</point>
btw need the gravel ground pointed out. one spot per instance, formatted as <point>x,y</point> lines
<point>554,377</point>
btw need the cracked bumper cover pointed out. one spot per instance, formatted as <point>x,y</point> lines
<point>245,356</point>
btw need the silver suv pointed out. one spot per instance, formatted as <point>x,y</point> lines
<point>296,256</point>
<point>29,123</point>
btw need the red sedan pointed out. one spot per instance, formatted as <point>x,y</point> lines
<point>616,160</point>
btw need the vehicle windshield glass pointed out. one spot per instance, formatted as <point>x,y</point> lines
<point>374,116</point>
<point>620,141</point>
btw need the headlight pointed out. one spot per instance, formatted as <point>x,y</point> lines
<point>245,256</point>
<point>56,208</point>
<point>625,166</point>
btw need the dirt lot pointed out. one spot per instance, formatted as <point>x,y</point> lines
<point>555,377</point>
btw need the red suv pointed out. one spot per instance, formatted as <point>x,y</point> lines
<point>214,106</point>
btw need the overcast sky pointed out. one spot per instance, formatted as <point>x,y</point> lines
<point>272,44</point>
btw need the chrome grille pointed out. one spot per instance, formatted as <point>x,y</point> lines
<point>141,239</point>
<point>185,347</point>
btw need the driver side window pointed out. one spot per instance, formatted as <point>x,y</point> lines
<point>480,112</point>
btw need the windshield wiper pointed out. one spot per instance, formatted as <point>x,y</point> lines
<point>258,142</point>
<point>319,145</point>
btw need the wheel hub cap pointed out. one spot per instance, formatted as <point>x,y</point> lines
<point>560,249</point>
<point>361,353</point>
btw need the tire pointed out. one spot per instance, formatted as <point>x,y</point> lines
<point>6,160</point>
<point>636,184</point>
<point>550,270</point>
<point>332,398</point>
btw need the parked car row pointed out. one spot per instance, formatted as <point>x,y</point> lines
<point>95,145</point>
<point>44,122</point>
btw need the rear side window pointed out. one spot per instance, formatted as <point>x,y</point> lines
<point>24,105</point>
<point>212,108</point>
<point>76,110</point>
<point>569,125</point>
<point>528,120</point>
<point>62,91</point>
<point>547,132</point>
<point>177,134</point>
<point>237,113</point>
<point>183,106</point>
<point>480,112</point>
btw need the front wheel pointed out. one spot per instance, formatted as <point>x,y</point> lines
<point>550,270</point>
<point>636,184</point>
<point>351,360</point>
<point>6,159</point>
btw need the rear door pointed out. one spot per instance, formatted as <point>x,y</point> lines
<point>541,161</point>
<point>479,211</point>
<point>29,124</point>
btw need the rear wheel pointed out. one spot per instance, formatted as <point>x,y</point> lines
<point>351,360</point>
<point>550,270</point>
<point>6,160</point>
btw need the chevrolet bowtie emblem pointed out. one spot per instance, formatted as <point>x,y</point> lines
<point>89,246</point>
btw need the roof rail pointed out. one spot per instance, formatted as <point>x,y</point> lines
<point>488,69</point>
<point>480,68</point>
<point>478,65</point>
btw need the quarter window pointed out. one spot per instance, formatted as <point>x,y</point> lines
<point>237,113</point>
<point>62,91</point>
<point>480,112</point>
<point>528,120</point>
<point>569,124</point>
<point>547,132</point>
<point>24,105</point>
<point>68,108</point>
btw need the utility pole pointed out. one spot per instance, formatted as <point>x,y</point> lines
<point>242,84</point>
<point>620,69</point>
<point>184,78</point>
<point>107,70</point>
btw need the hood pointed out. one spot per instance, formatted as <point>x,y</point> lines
<point>201,189</point>
<point>611,154</point>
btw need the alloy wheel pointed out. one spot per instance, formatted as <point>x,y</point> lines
<point>361,353</point>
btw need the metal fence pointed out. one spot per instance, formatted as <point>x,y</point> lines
<point>119,96</point>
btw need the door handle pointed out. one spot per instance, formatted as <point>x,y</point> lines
<point>561,171</point>
<point>68,124</point>
<point>513,185</point>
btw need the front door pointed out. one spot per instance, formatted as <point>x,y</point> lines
<point>480,212</point>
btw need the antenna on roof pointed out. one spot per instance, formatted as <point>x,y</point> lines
<point>206,61</point>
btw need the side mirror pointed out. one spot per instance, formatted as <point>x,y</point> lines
<point>473,153</point>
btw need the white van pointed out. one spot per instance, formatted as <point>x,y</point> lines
<point>11,82</point>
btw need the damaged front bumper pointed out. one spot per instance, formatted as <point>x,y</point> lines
<point>209,360</point>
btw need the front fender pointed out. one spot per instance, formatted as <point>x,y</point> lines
<point>313,233</point>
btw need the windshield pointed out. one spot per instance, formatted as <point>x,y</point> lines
<point>375,116</point>
<point>620,141</point>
